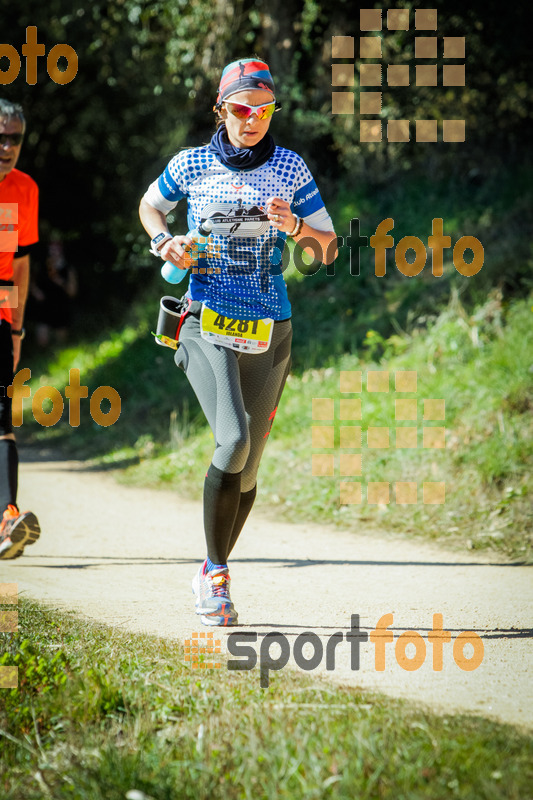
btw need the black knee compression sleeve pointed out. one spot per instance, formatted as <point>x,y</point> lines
<point>222,492</point>
<point>9,462</point>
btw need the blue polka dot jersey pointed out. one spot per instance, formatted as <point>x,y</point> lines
<point>244,265</point>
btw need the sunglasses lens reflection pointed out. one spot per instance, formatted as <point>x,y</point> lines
<point>243,111</point>
<point>266,111</point>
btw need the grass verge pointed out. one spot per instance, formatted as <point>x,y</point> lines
<point>477,364</point>
<point>100,713</point>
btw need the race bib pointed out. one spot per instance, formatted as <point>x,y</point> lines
<point>246,336</point>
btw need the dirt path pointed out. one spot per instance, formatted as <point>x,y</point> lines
<point>126,556</point>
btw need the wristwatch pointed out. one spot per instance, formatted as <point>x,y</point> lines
<point>19,332</point>
<point>158,241</point>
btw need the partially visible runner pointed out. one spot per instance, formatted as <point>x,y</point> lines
<point>17,191</point>
<point>235,341</point>
<point>52,292</point>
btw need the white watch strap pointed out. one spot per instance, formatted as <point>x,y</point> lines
<point>155,248</point>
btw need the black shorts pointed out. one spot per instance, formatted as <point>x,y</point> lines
<point>6,376</point>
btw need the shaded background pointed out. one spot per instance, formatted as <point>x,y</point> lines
<point>147,79</point>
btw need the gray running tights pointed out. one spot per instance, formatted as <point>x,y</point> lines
<point>238,393</point>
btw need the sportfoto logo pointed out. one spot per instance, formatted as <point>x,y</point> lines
<point>9,217</point>
<point>202,644</point>
<point>427,49</point>
<point>274,252</point>
<point>382,241</point>
<point>32,50</point>
<point>74,392</point>
<point>239,644</point>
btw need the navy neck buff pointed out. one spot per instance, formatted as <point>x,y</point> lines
<point>240,157</point>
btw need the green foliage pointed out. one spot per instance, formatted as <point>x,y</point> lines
<point>40,673</point>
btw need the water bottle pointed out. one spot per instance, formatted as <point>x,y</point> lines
<point>173,274</point>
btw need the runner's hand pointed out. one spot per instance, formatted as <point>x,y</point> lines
<point>174,251</point>
<point>280,214</point>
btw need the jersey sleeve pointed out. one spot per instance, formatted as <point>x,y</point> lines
<point>171,186</point>
<point>28,227</point>
<point>307,202</point>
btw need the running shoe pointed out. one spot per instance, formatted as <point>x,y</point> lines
<point>16,531</point>
<point>213,601</point>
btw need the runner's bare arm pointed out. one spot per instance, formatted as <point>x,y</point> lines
<point>21,279</point>
<point>154,222</point>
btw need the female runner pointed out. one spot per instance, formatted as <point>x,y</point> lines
<point>235,345</point>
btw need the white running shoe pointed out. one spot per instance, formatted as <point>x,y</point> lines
<point>213,600</point>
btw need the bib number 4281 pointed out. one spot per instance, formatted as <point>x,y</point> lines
<point>236,325</point>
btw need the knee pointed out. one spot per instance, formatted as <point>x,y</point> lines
<point>234,450</point>
<point>240,446</point>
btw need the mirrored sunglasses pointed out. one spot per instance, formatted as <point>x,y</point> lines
<point>243,111</point>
